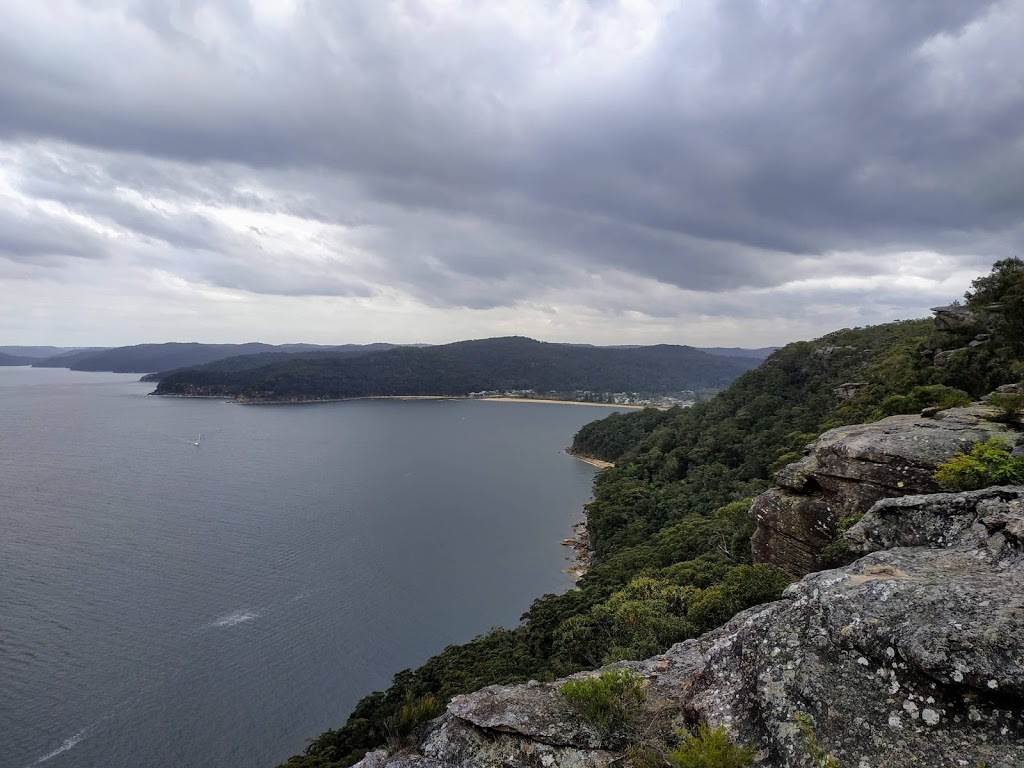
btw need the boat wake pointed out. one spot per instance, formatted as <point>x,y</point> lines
<point>69,743</point>
<point>236,617</point>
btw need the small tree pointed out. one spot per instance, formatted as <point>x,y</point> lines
<point>1002,293</point>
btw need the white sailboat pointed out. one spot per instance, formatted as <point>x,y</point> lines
<point>198,439</point>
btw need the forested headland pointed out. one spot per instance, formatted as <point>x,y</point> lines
<point>513,364</point>
<point>669,521</point>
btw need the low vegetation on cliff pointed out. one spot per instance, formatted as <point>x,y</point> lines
<point>669,522</point>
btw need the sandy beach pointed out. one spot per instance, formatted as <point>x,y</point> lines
<point>592,462</point>
<point>555,402</point>
<point>242,400</point>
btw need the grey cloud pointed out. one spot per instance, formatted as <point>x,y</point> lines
<point>739,150</point>
<point>45,240</point>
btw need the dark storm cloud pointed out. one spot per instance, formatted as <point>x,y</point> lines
<point>482,160</point>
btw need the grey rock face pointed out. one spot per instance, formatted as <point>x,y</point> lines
<point>848,390</point>
<point>913,655</point>
<point>953,317</point>
<point>848,470</point>
<point>986,517</point>
<point>942,358</point>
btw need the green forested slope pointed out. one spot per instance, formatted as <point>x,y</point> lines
<point>669,521</point>
<point>468,366</point>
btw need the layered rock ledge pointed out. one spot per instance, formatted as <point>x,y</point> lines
<point>913,655</point>
<point>850,468</point>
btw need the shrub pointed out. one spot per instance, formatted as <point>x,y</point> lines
<point>1009,408</point>
<point>610,700</point>
<point>708,748</point>
<point>988,463</point>
<point>919,398</point>
<point>413,712</point>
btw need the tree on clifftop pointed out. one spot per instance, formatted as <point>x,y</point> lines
<point>1001,293</point>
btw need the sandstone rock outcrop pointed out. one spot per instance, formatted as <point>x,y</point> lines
<point>850,468</point>
<point>954,317</point>
<point>849,390</point>
<point>913,655</point>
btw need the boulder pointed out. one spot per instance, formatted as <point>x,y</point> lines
<point>849,469</point>
<point>848,390</point>
<point>954,317</point>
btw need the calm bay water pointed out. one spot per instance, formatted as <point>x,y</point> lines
<point>163,604</point>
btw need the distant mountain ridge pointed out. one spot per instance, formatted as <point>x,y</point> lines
<point>501,364</point>
<point>760,353</point>
<point>161,358</point>
<point>67,359</point>
<point>14,360</point>
<point>150,358</point>
<point>35,353</point>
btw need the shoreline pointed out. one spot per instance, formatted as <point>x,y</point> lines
<point>583,555</point>
<point>553,402</point>
<point>247,401</point>
<point>599,463</point>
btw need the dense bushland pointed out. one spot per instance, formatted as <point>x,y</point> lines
<point>502,364</point>
<point>669,521</point>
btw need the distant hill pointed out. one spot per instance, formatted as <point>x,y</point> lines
<point>12,360</point>
<point>758,354</point>
<point>67,359</point>
<point>502,364</point>
<point>149,358</point>
<point>36,353</point>
<point>261,359</point>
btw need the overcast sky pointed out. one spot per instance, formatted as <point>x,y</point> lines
<point>708,173</point>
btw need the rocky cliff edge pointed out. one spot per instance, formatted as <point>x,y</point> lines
<point>911,656</point>
<point>850,468</point>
